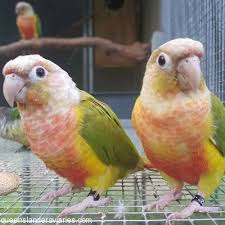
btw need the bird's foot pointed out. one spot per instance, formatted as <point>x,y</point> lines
<point>189,210</point>
<point>164,200</point>
<point>59,193</point>
<point>86,203</point>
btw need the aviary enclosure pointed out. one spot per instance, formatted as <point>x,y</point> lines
<point>105,45</point>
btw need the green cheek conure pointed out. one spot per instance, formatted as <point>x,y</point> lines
<point>28,23</point>
<point>77,136</point>
<point>181,124</point>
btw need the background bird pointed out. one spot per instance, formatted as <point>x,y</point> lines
<point>11,127</point>
<point>181,124</point>
<point>28,23</point>
<point>77,136</point>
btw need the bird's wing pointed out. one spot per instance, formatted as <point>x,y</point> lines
<point>38,26</point>
<point>101,129</point>
<point>14,114</point>
<point>218,112</point>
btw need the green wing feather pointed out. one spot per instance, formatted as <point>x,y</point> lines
<point>14,114</point>
<point>218,111</point>
<point>10,125</point>
<point>102,130</point>
<point>38,25</point>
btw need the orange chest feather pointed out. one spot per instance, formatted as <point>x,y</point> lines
<point>52,132</point>
<point>27,26</point>
<point>54,141</point>
<point>174,143</point>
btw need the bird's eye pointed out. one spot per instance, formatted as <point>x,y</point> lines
<point>164,61</point>
<point>161,60</point>
<point>38,73</point>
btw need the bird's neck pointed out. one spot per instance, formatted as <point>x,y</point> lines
<point>29,13</point>
<point>58,102</point>
<point>160,104</point>
<point>177,120</point>
<point>38,112</point>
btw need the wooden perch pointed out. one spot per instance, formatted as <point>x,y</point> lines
<point>136,52</point>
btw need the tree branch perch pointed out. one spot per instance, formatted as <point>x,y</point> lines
<point>136,52</point>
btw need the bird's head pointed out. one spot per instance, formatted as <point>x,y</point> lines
<point>32,80</point>
<point>175,67</point>
<point>24,9</point>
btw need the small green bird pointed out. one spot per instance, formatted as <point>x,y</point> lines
<point>181,124</point>
<point>28,22</point>
<point>11,127</point>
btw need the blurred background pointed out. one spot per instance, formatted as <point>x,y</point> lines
<point>112,78</point>
<point>116,80</point>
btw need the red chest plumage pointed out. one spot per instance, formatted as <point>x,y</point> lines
<point>27,27</point>
<point>174,143</point>
<point>53,140</point>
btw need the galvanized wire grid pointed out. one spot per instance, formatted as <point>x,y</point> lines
<point>203,21</point>
<point>136,190</point>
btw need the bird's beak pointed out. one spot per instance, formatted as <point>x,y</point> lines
<point>12,87</point>
<point>189,73</point>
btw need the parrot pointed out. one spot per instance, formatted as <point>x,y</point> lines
<point>74,134</point>
<point>181,125</point>
<point>28,22</point>
<point>11,127</point>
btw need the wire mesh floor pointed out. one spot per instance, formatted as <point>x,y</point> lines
<point>135,191</point>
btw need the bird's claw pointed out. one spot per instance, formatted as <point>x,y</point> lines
<point>59,193</point>
<point>49,197</point>
<point>189,210</point>
<point>158,205</point>
<point>86,203</point>
<point>163,201</point>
